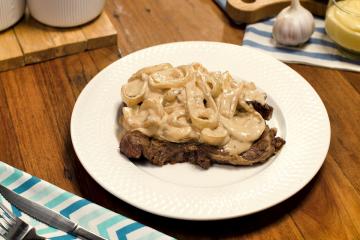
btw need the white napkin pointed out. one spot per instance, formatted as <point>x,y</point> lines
<point>319,51</point>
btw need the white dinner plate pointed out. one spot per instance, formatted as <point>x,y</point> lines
<point>186,191</point>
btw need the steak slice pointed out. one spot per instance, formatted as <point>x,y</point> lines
<point>260,151</point>
<point>136,145</point>
<point>265,110</point>
<point>133,144</point>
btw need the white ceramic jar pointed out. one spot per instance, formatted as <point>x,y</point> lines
<point>10,12</point>
<point>65,13</point>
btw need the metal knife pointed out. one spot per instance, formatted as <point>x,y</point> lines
<point>47,215</point>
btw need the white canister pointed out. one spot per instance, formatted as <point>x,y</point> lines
<point>65,13</point>
<point>10,12</point>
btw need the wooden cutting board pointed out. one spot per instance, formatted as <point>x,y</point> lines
<point>250,11</point>
<point>30,41</point>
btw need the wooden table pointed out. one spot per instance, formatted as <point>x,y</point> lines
<point>36,104</point>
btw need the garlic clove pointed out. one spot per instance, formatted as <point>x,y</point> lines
<point>294,25</point>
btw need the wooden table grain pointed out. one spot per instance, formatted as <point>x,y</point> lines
<point>36,102</point>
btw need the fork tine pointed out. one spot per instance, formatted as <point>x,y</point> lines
<point>7,220</point>
<point>8,212</point>
<point>12,227</point>
<point>3,227</point>
<point>3,233</point>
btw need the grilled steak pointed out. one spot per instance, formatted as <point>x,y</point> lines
<point>265,110</point>
<point>136,145</point>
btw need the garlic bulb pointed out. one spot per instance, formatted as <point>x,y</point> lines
<point>293,25</point>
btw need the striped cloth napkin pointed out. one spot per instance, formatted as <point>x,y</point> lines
<point>93,217</point>
<point>319,51</point>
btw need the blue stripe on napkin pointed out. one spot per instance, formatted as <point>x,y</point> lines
<point>317,55</point>
<point>74,207</point>
<point>12,178</point>
<point>58,200</point>
<point>89,215</point>
<point>121,233</point>
<point>221,3</point>
<point>271,22</point>
<point>15,211</point>
<point>26,185</point>
<point>102,227</point>
<point>67,237</point>
<point>313,40</point>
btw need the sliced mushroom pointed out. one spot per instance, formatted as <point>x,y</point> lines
<point>178,128</point>
<point>133,118</point>
<point>227,101</point>
<point>203,85</point>
<point>150,70</point>
<point>178,119</point>
<point>169,78</point>
<point>214,83</point>
<point>133,92</point>
<point>154,110</point>
<point>217,136</point>
<point>203,118</point>
<point>245,127</point>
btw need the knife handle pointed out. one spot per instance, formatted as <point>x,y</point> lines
<point>85,234</point>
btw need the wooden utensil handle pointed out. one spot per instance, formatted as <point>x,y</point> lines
<point>250,11</point>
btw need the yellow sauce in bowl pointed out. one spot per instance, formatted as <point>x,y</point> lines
<point>342,24</point>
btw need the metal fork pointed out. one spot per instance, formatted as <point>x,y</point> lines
<point>13,228</point>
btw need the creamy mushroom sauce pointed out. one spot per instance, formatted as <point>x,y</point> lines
<point>190,103</point>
